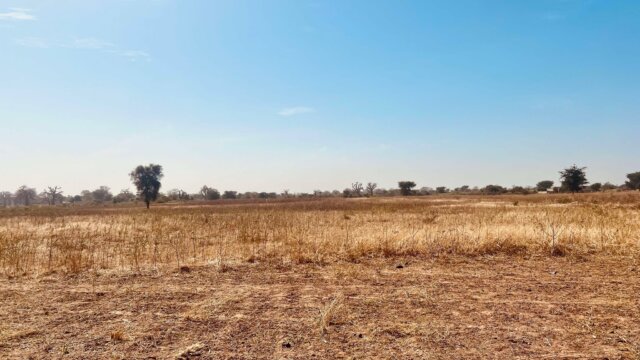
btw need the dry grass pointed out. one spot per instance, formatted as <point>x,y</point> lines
<point>329,313</point>
<point>449,307</point>
<point>540,276</point>
<point>74,240</point>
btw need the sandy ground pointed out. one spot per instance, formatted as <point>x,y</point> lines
<point>411,308</point>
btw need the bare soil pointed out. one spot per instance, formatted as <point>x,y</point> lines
<point>504,307</point>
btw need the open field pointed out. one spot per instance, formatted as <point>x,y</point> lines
<point>442,277</point>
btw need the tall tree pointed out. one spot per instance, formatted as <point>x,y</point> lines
<point>25,195</point>
<point>634,181</point>
<point>371,187</point>
<point>147,181</point>
<point>209,193</point>
<point>357,188</point>
<point>406,187</point>
<point>52,194</point>
<point>573,178</point>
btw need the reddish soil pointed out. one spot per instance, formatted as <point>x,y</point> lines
<point>414,308</point>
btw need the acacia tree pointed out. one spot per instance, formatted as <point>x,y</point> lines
<point>147,181</point>
<point>209,193</point>
<point>25,195</point>
<point>124,196</point>
<point>634,181</point>
<point>229,194</point>
<point>493,190</point>
<point>544,185</point>
<point>371,187</point>
<point>52,194</point>
<point>573,178</point>
<point>357,188</point>
<point>102,194</point>
<point>406,187</point>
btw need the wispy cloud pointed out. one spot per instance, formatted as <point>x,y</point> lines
<point>135,55</point>
<point>33,42</point>
<point>296,111</point>
<point>91,44</point>
<point>17,14</point>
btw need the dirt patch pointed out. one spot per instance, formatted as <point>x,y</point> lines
<point>453,307</point>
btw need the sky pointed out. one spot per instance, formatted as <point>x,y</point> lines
<point>309,94</point>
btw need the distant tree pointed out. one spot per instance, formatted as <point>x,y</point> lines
<point>596,187</point>
<point>285,193</point>
<point>52,194</point>
<point>463,188</point>
<point>573,178</point>
<point>442,189</point>
<point>544,185</point>
<point>230,194</point>
<point>209,193</point>
<point>406,187</point>
<point>25,195</point>
<point>347,193</point>
<point>518,190</point>
<point>178,194</point>
<point>357,188</point>
<point>5,197</point>
<point>124,196</point>
<point>634,181</point>
<point>266,195</point>
<point>493,190</point>
<point>101,194</point>
<point>425,190</point>
<point>86,196</point>
<point>147,181</point>
<point>608,186</point>
<point>371,187</point>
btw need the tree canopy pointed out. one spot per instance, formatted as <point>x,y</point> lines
<point>634,181</point>
<point>544,185</point>
<point>147,181</point>
<point>573,178</point>
<point>406,187</point>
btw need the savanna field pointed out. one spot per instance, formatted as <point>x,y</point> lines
<point>535,276</point>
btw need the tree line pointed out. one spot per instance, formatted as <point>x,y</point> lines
<point>147,181</point>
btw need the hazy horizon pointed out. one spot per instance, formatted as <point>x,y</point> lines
<point>305,95</point>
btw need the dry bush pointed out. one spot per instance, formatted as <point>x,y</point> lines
<point>329,313</point>
<point>74,240</point>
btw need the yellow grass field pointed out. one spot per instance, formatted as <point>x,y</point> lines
<point>532,276</point>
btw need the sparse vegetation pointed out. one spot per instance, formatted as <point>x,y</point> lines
<point>316,231</point>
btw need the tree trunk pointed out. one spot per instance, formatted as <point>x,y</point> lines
<point>147,202</point>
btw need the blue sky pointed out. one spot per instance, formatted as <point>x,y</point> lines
<point>310,94</point>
